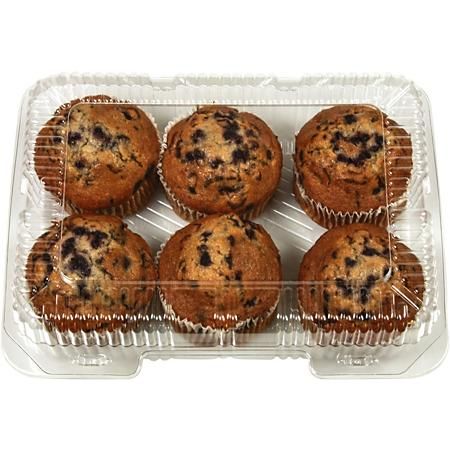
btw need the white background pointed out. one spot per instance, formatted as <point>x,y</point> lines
<point>223,403</point>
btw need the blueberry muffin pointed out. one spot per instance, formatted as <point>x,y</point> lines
<point>220,272</point>
<point>90,273</point>
<point>358,277</point>
<point>220,160</point>
<point>98,155</point>
<point>339,163</point>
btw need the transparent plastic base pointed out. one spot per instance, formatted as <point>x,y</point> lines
<point>286,105</point>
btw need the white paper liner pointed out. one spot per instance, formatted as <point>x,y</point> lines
<point>329,218</point>
<point>185,325</point>
<point>180,208</point>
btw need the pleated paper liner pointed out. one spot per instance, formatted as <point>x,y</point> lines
<point>383,331</point>
<point>100,331</point>
<point>328,218</point>
<point>251,324</point>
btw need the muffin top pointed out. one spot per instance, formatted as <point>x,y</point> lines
<point>359,272</point>
<point>96,152</point>
<point>90,272</point>
<point>220,270</point>
<point>340,158</point>
<point>220,160</point>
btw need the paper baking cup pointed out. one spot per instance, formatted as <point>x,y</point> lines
<point>130,332</point>
<point>183,325</point>
<point>371,334</point>
<point>180,208</point>
<point>329,218</point>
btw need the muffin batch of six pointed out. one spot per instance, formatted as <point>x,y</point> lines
<point>219,168</point>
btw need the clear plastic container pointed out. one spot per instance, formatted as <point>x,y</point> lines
<point>285,105</point>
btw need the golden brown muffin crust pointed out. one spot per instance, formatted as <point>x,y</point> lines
<point>221,160</point>
<point>359,275</point>
<point>206,271</point>
<point>96,152</point>
<point>340,158</point>
<point>90,273</point>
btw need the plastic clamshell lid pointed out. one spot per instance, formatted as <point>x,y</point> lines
<point>286,105</point>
